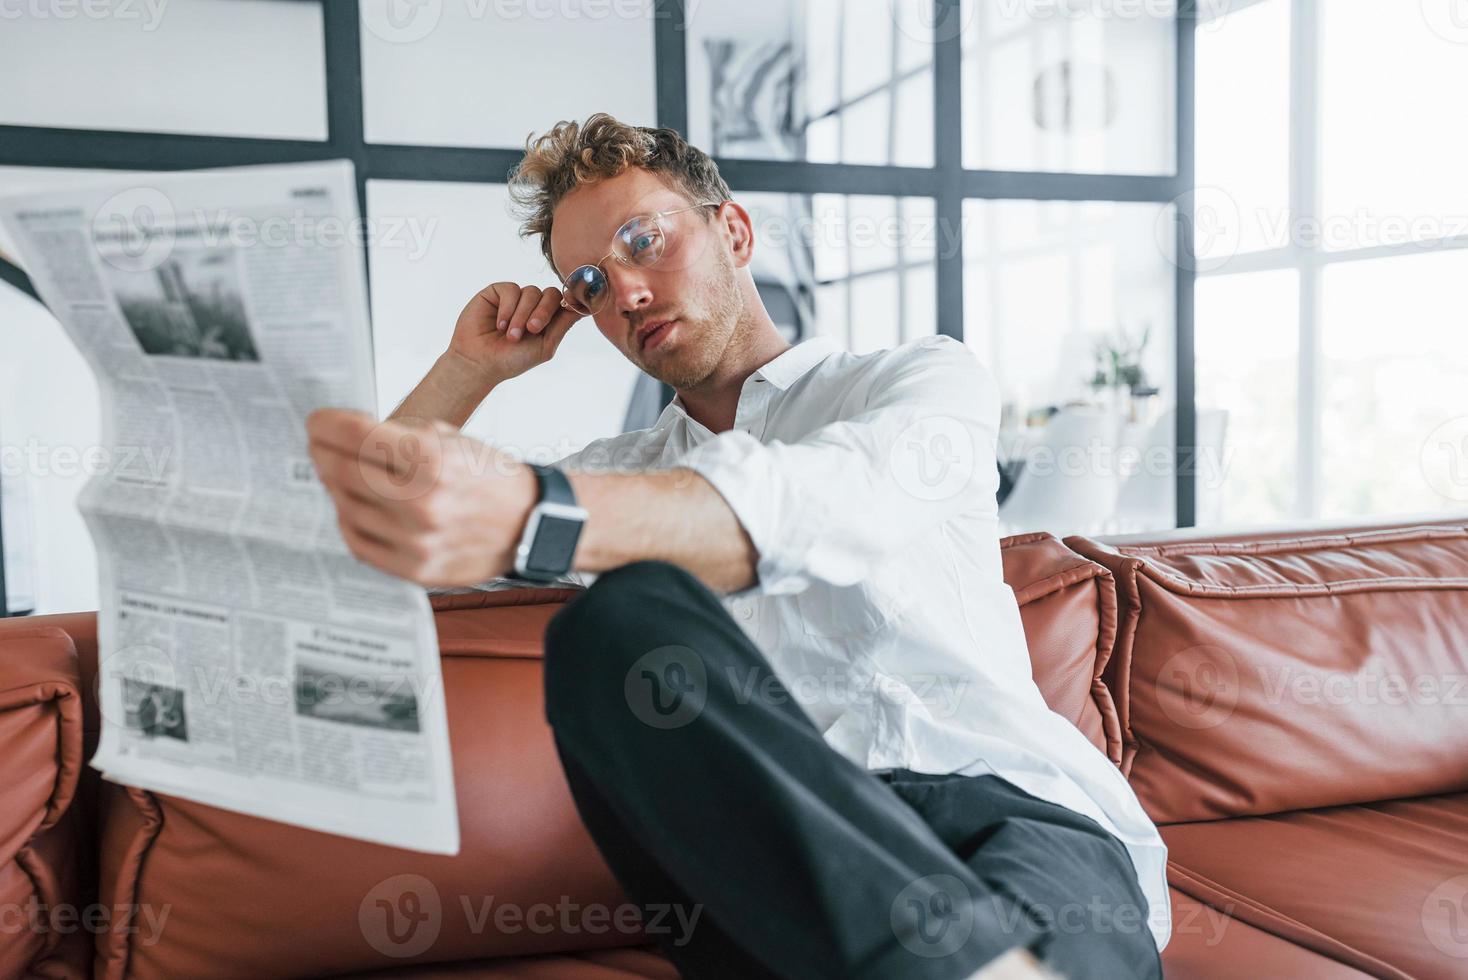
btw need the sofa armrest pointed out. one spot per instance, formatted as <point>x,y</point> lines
<point>41,757</point>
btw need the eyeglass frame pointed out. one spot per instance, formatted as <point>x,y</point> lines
<point>656,217</point>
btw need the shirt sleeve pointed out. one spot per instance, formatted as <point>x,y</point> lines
<point>833,505</point>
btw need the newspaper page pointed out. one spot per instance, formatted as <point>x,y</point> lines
<point>248,660</point>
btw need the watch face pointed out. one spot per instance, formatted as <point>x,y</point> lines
<point>554,544</point>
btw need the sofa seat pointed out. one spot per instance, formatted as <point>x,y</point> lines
<point>1206,945</point>
<point>635,963</point>
<point>1380,887</point>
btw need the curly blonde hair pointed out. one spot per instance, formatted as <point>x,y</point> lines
<point>571,154</point>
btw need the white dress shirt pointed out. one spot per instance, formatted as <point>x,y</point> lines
<point>867,485</point>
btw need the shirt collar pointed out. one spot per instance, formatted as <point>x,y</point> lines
<point>787,368</point>
<point>793,364</point>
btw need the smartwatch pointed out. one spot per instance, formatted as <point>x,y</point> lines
<point>549,541</point>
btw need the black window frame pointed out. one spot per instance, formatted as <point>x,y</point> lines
<point>947,182</point>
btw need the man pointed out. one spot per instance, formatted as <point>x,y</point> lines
<point>797,696</point>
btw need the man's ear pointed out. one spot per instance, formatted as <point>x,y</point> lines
<point>740,229</point>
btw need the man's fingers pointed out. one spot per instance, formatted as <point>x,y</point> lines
<point>400,447</point>
<point>372,550</point>
<point>529,297</point>
<point>540,317</point>
<point>339,428</point>
<point>376,518</point>
<point>555,332</point>
<point>489,301</point>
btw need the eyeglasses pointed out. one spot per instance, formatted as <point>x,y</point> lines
<point>641,241</point>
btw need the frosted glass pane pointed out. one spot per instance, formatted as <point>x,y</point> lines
<point>1392,138</point>
<point>1248,365</point>
<point>1243,132</point>
<point>1076,87</point>
<point>434,246</point>
<point>460,73</point>
<point>1047,281</point>
<point>225,68</point>
<point>859,269</point>
<point>1394,425</point>
<point>823,81</point>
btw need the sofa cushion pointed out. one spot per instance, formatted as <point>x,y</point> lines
<point>1209,944</point>
<point>1381,887</point>
<point>595,964</point>
<point>1293,671</point>
<point>42,862</point>
<point>527,879</point>
<point>1068,606</point>
<point>324,901</point>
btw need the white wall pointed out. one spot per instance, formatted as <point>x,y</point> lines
<point>50,422</point>
<point>467,239</point>
<point>488,74</point>
<point>49,417</point>
<point>224,67</point>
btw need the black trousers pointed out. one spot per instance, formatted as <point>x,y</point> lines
<point>756,850</point>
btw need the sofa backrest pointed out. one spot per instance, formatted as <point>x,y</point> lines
<point>1278,671</point>
<point>1068,606</point>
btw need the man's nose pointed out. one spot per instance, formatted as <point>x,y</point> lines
<point>631,290</point>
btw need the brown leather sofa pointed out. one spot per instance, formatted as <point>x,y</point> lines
<point>1290,706</point>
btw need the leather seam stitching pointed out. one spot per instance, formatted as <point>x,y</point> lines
<point>1270,917</point>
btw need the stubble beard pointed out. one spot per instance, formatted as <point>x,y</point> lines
<point>703,339</point>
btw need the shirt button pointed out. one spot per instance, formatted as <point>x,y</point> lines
<point>746,611</point>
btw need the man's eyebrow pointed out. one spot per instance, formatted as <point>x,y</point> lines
<point>615,229</point>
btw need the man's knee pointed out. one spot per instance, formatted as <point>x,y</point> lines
<point>593,641</point>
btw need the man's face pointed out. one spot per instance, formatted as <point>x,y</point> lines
<point>674,319</point>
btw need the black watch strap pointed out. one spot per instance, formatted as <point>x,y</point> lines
<point>548,543</point>
<point>553,485</point>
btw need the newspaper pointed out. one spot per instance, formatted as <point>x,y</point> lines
<point>248,661</point>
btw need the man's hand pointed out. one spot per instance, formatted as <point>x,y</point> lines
<point>418,499</point>
<point>507,329</point>
<point>504,331</point>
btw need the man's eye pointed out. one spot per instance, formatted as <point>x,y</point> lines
<point>642,241</point>
<point>593,289</point>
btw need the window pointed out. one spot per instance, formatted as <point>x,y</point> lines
<point>826,81</point>
<point>1328,326</point>
<point>1073,87</point>
<point>1024,205</point>
<point>1248,366</point>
